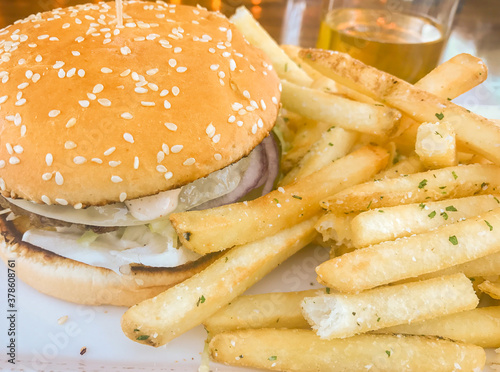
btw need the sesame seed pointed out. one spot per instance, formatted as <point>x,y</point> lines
<point>116,179</point>
<point>71,72</point>
<point>164,92</point>
<point>78,206</point>
<point>54,113</point>
<point>22,85</point>
<point>147,104</point>
<point>275,101</point>
<point>49,159</point>
<point>127,115</point>
<point>175,91</point>
<point>263,104</point>
<point>168,175</point>
<point>226,54</point>
<point>14,160</point>
<point>19,95</point>
<point>189,161</point>
<point>70,123</point>
<point>136,162</point>
<point>59,178</point>
<point>38,58</point>
<point>3,99</point>
<point>98,88</point>
<point>232,64</point>
<point>18,149</point>
<point>91,96</point>
<point>254,128</point>
<point>125,50</point>
<point>75,53</point>
<point>21,102</point>
<point>46,176</point>
<point>211,50</point>
<point>68,145</point>
<point>114,163</point>
<point>171,126</point>
<point>181,69</point>
<point>152,71</point>
<point>10,150</point>
<point>84,103</point>
<point>216,138</point>
<point>81,72</point>
<point>61,201</point>
<point>58,64</point>
<point>231,119</point>
<point>177,49</point>
<point>161,168</point>
<point>106,70</point>
<point>210,131</point>
<point>104,102</point>
<point>79,160</point>
<point>254,104</point>
<point>140,90</point>
<point>109,151</point>
<point>128,137</point>
<point>96,160</point>
<point>153,87</point>
<point>79,39</point>
<point>172,62</point>
<point>214,67</point>
<point>165,149</point>
<point>46,199</point>
<point>217,156</point>
<point>123,196</point>
<point>23,130</point>
<point>160,156</point>
<point>176,148</point>
<point>125,73</point>
<point>236,106</point>
<point>167,104</point>
<point>246,94</point>
<point>2,163</point>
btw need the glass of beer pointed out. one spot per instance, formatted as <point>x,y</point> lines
<point>402,37</point>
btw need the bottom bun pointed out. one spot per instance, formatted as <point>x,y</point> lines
<point>80,283</point>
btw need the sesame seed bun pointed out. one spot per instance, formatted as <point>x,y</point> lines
<point>84,284</point>
<point>92,113</point>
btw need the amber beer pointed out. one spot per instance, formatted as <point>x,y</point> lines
<point>404,45</point>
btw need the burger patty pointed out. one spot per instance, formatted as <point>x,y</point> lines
<point>39,221</point>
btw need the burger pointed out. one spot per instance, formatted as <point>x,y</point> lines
<point>110,121</point>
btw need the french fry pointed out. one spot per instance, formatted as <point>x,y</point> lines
<point>333,144</point>
<point>338,111</point>
<point>268,310</point>
<point>475,132</point>
<point>224,227</point>
<point>434,185</point>
<point>492,289</point>
<point>256,35</point>
<point>409,165</point>
<point>292,51</point>
<point>307,134</point>
<point>436,145</point>
<point>479,327</point>
<point>378,225</point>
<point>336,227</point>
<point>303,351</point>
<point>448,80</point>
<point>160,319</point>
<point>340,316</point>
<point>409,257</point>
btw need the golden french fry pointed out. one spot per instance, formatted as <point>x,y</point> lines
<point>477,133</point>
<point>268,310</point>
<point>492,289</point>
<point>409,257</point>
<point>303,351</point>
<point>403,167</point>
<point>160,319</point>
<point>338,111</point>
<point>337,228</point>
<point>479,327</point>
<point>339,316</point>
<point>307,134</point>
<point>292,51</point>
<point>436,145</point>
<point>378,225</point>
<point>219,228</point>
<point>256,35</point>
<point>434,185</point>
<point>333,144</point>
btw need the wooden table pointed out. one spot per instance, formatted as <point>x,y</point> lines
<point>476,29</point>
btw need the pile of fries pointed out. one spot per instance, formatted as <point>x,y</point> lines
<point>400,182</point>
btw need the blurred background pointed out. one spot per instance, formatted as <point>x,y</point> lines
<point>476,28</point>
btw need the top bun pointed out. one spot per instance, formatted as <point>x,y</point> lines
<point>93,113</point>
